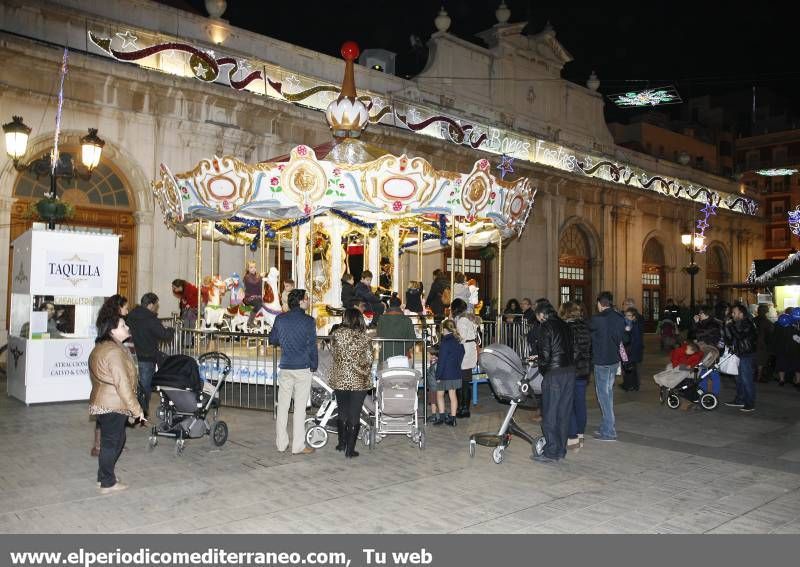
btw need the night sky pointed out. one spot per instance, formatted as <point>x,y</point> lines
<point>701,47</point>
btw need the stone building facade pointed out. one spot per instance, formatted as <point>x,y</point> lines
<point>586,233</point>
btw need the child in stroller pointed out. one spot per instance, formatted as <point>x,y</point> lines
<point>186,399</point>
<point>688,375</point>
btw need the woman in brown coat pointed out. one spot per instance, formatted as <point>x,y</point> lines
<point>113,398</point>
<point>351,376</point>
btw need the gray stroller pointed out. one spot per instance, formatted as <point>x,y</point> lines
<point>511,384</point>
<point>396,404</point>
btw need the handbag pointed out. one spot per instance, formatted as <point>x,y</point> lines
<point>729,363</point>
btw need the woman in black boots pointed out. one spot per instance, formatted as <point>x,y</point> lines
<point>351,376</point>
<point>468,331</point>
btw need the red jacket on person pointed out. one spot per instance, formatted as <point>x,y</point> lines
<point>189,297</point>
<point>680,358</point>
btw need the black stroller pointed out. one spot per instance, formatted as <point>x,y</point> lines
<point>186,400</point>
<point>510,383</point>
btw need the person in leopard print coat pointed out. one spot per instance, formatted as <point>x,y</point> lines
<point>351,376</point>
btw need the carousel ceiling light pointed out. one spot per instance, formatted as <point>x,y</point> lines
<point>776,172</point>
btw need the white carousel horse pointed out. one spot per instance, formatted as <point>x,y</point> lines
<point>234,284</point>
<point>214,312</point>
<point>237,323</point>
<point>271,307</point>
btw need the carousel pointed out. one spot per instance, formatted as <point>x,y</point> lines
<point>341,208</point>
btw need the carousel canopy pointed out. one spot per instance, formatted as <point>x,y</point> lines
<point>360,183</point>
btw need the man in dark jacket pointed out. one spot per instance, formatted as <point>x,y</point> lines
<point>348,291</point>
<point>398,326</point>
<point>555,359</point>
<point>147,332</point>
<point>296,334</point>
<point>364,293</point>
<point>707,329</point>
<point>608,332</point>
<point>434,300</point>
<point>740,337</point>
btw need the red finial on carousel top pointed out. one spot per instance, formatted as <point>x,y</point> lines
<point>347,116</point>
<point>350,51</point>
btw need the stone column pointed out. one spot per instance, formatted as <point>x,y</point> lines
<point>6,204</point>
<point>145,252</point>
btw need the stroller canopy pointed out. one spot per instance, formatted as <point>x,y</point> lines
<point>501,362</point>
<point>179,371</point>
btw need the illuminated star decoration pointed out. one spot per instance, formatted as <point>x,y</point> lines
<point>703,224</point>
<point>200,71</point>
<point>794,221</point>
<point>128,39</point>
<point>293,82</point>
<point>506,166</point>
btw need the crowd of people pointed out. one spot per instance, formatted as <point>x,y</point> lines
<point>568,345</point>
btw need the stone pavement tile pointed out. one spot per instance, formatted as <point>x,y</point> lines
<point>791,528</point>
<point>748,499</point>
<point>534,515</point>
<point>742,525</point>
<point>693,521</point>
<point>577,501</point>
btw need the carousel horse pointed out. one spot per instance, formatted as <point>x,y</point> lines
<point>238,321</point>
<point>272,302</point>
<point>234,284</point>
<point>213,289</point>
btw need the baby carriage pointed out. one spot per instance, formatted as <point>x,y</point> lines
<point>396,403</point>
<point>668,333</point>
<point>319,427</point>
<point>186,400</point>
<point>690,385</point>
<point>511,384</point>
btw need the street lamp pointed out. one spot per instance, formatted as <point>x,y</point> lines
<point>17,133</point>
<point>693,242</point>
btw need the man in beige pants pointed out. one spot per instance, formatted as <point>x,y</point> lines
<point>296,334</point>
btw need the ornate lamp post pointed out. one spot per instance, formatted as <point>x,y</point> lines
<point>693,242</point>
<point>17,133</point>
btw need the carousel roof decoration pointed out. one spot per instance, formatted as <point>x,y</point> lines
<point>262,78</point>
<point>354,181</point>
<point>794,220</point>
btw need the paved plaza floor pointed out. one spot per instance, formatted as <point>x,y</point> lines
<point>671,471</point>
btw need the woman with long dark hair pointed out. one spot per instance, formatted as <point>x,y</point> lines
<point>351,376</point>
<point>113,398</point>
<point>468,335</point>
<point>116,304</point>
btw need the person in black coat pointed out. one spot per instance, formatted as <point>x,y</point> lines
<point>634,348</point>
<point>556,363</point>
<point>707,329</point>
<point>147,332</point>
<point>348,291</point>
<point>364,293</point>
<point>741,337</point>
<point>572,313</point>
<point>435,302</point>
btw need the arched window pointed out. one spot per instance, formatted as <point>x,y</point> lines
<point>652,282</point>
<point>574,268</point>
<point>104,189</point>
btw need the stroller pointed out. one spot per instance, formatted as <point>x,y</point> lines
<point>396,403</point>
<point>319,427</point>
<point>186,399</point>
<point>512,384</point>
<point>675,384</point>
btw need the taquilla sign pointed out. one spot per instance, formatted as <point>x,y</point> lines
<point>74,269</point>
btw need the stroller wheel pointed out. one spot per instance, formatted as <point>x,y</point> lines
<point>497,454</point>
<point>709,401</point>
<point>538,446</point>
<point>152,442</point>
<point>365,435</point>
<point>673,401</point>
<point>373,438</point>
<point>471,448</point>
<point>179,446</point>
<point>219,433</point>
<point>316,437</point>
<point>310,422</point>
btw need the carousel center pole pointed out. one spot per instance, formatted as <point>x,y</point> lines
<point>499,316</point>
<point>198,270</point>
<point>310,263</point>
<point>420,238</point>
<point>452,255</point>
<point>213,230</point>
<point>262,266</point>
<point>278,258</point>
